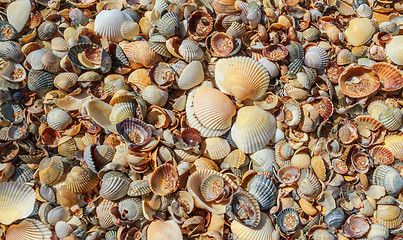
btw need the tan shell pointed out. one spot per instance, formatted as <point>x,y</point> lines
<point>164,180</point>
<point>359,31</point>
<point>357,81</point>
<point>81,180</point>
<point>29,229</point>
<point>140,52</point>
<point>164,230</point>
<point>263,231</point>
<point>215,148</point>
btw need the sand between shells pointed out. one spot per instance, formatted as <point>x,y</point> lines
<point>201,119</point>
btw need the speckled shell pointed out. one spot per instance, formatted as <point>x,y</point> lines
<point>17,201</point>
<point>264,190</point>
<point>390,77</point>
<point>389,178</point>
<point>316,57</point>
<point>394,49</point>
<point>359,31</point>
<point>209,111</point>
<point>108,23</point>
<point>58,119</point>
<point>241,77</point>
<point>164,180</point>
<point>253,129</point>
<point>18,13</point>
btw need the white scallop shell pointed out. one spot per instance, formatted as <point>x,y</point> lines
<point>108,23</point>
<point>18,13</point>
<point>316,57</point>
<point>394,50</point>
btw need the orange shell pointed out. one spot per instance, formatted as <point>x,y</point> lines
<point>390,77</point>
<point>323,105</point>
<point>347,132</point>
<point>358,81</point>
<point>200,24</point>
<point>275,52</point>
<point>221,44</point>
<point>382,155</point>
<point>164,179</point>
<point>140,52</point>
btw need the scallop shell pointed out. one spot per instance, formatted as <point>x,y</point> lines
<point>164,180</point>
<point>108,23</point>
<point>395,144</point>
<point>164,230</point>
<point>309,186</point>
<point>358,81</point>
<point>135,131</point>
<point>391,119</point>
<point>168,24</point>
<point>155,95</point>
<point>345,57</point>
<point>190,51</point>
<point>17,201</point>
<point>376,107</point>
<point>11,50</point>
<point>389,178</point>
<point>215,148</point>
<point>58,119</point>
<point>18,13</point>
<point>253,129</point>
<point>241,77</point>
<point>262,231</point>
<point>209,111</point>
<point>389,216</point>
<point>288,220</point>
<point>104,215</point>
<point>311,34</point>
<point>393,50</point>
<point>51,170</point>
<point>81,180</point>
<point>382,155</point>
<point>39,81</point>
<point>316,57</point>
<point>141,53</point>
<point>139,78</point>
<point>29,229</point>
<point>263,190</point>
<point>390,77</point>
<point>359,31</point>
<point>130,208</point>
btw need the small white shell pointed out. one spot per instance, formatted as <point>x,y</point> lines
<point>394,50</point>
<point>192,75</point>
<point>316,57</point>
<point>108,23</point>
<point>58,119</point>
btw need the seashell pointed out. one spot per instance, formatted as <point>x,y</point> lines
<point>191,76</point>
<point>333,33</point>
<point>308,185</point>
<point>364,11</point>
<point>283,151</point>
<point>154,95</point>
<point>65,81</point>
<point>100,111</point>
<point>355,227</point>
<point>50,62</point>
<point>130,208</point>
<point>23,173</point>
<point>316,57</point>
<point>376,107</point>
<point>96,157</point>
<point>253,129</point>
<point>11,50</point>
<point>318,167</point>
<point>13,72</point>
<point>129,30</point>
<point>46,30</point>
<point>221,44</point>
<point>391,119</point>
<point>236,30</point>
<point>378,231</point>
<point>65,197</point>
<point>63,229</point>
<point>271,67</point>
<point>11,112</point>
<point>322,234</point>
<point>275,52</point>
<point>39,81</point>
<point>263,190</point>
<point>88,56</point>
<point>164,180</point>
<point>393,50</point>
<point>394,144</point>
<point>121,111</point>
<point>357,81</point>
<point>389,216</point>
<point>190,51</point>
<point>140,79</point>
<point>295,51</point>
<point>160,48</point>
<point>292,113</point>
<point>17,201</point>
<point>289,175</point>
<point>104,215</point>
<point>359,31</point>
<point>163,75</point>
<point>335,217</point>
<point>345,57</point>
<point>360,162</point>
<point>311,34</point>
<point>241,77</point>
<point>57,214</point>
<point>390,77</point>
<point>139,188</point>
<point>8,31</point>
<point>28,229</point>
<point>347,132</point>
<point>264,160</point>
<point>209,111</point>
<point>58,119</point>
<point>215,148</point>
<point>168,24</point>
<point>288,220</point>
<point>244,208</point>
<point>135,131</point>
<point>262,231</point>
<point>212,187</point>
<point>51,170</point>
<point>109,22</point>
<point>18,13</point>
<point>200,24</point>
<point>140,52</point>
<point>164,230</point>
<point>81,180</point>
<point>382,155</point>
<point>389,178</point>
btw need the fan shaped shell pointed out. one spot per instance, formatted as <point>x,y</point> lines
<point>108,23</point>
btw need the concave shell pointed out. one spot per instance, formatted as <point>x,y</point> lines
<point>358,81</point>
<point>355,227</point>
<point>135,131</point>
<point>100,111</point>
<point>81,180</point>
<point>104,215</point>
<point>382,155</point>
<point>335,217</point>
<point>13,72</point>
<point>191,76</point>
<point>212,187</point>
<point>389,216</point>
<point>309,186</point>
<point>221,44</point>
<point>378,231</point>
<point>130,208</point>
<point>18,13</point>
<point>262,231</point>
<point>29,229</point>
<point>241,77</point>
<point>88,56</point>
<point>316,57</point>
<point>395,144</point>
<point>17,201</point>
<point>209,111</point>
<point>8,31</point>
<point>96,157</point>
<point>390,77</point>
<point>190,51</point>
<point>253,129</point>
<point>345,57</point>
<point>244,208</point>
<point>164,180</point>
<point>140,52</point>
<point>389,178</point>
<point>288,220</point>
<point>264,191</point>
<point>11,50</point>
<point>359,31</point>
<point>292,113</point>
<point>39,81</point>
<point>391,119</point>
<point>12,112</point>
<point>289,175</point>
<point>311,34</point>
<point>164,230</point>
<point>58,119</point>
<point>63,229</point>
<point>168,24</point>
<point>275,52</point>
<point>215,148</point>
<point>360,162</point>
<point>108,23</point>
<point>121,111</point>
<point>394,48</point>
<point>51,170</point>
<point>200,24</point>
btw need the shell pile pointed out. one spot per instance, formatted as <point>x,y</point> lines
<point>201,119</point>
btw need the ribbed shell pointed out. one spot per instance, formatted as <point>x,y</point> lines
<point>264,160</point>
<point>139,188</point>
<point>240,202</point>
<point>389,216</point>
<point>394,50</point>
<point>11,50</point>
<point>18,13</point>
<point>164,180</point>
<point>104,215</point>
<point>114,185</point>
<point>391,119</point>
<point>155,95</point>
<point>39,81</point>
<point>390,77</point>
<point>389,178</point>
<point>164,230</point>
<point>58,119</point>
<point>316,57</point>
<point>215,148</point>
<point>51,170</point>
<point>130,208</point>
<point>263,231</point>
<point>108,23</point>
<point>209,111</point>
<point>241,77</point>
<point>100,111</point>
<point>288,220</point>
<point>140,52</point>
<point>253,129</point>
<point>309,186</point>
<point>190,51</point>
<point>359,31</point>
<point>168,24</point>
<point>17,201</point>
<point>395,144</point>
<point>29,229</point>
<point>81,180</point>
<point>264,190</point>
<point>121,111</point>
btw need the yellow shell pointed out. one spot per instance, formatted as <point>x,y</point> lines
<point>395,144</point>
<point>241,77</point>
<point>359,31</point>
<point>253,129</point>
<point>263,231</point>
<point>388,215</point>
<point>139,78</point>
<point>215,148</point>
<point>318,166</point>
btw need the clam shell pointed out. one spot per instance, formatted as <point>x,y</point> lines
<point>345,57</point>
<point>121,111</point>
<point>65,81</point>
<point>389,216</point>
<point>221,44</point>
<point>58,119</point>
<point>130,208</point>
<point>289,175</point>
<point>139,188</point>
<point>288,220</point>
<point>140,79</point>
<point>263,190</point>
<point>209,111</point>
<point>11,112</point>
<point>295,51</point>
<point>191,76</point>
<point>316,57</point>
<point>129,30</point>
<point>200,24</point>
<point>155,95</point>
<point>253,129</point>
<point>262,231</point>
<point>244,208</point>
<point>104,215</point>
<point>393,50</point>
<point>18,13</point>
<point>357,81</point>
<point>46,30</point>
<point>39,81</point>
<point>57,214</point>
<point>378,231</point>
<point>141,53</point>
<point>17,201</point>
<point>355,227</point>
<point>390,77</point>
<point>135,131</point>
<point>391,119</point>
<point>29,229</point>
<point>264,160</point>
<point>63,229</point>
<point>241,77</point>
<point>164,230</point>
<point>190,51</point>
<point>389,178</point>
<point>395,144</point>
<point>13,72</point>
<point>168,24</point>
<point>11,50</point>
<point>359,31</point>
<point>81,180</point>
<point>108,23</point>
<point>215,148</point>
<point>164,180</point>
<point>311,34</point>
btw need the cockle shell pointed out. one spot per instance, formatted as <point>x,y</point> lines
<point>264,160</point>
<point>253,129</point>
<point>390,77</point>
<point>389,216</point>
<point>39,81</point>
<point>262,231</point>
<point>17,201</point>
<point>359,31</point>
<point>154,95</point>
<point>129,30</point>
<point>209,111</point>
<point>288,220</point>
<point>130,208</point>
<point>263,190</point>
<point>58,119</point>
<point>81,180</point>
<point>164,230</point>
<point>358,81</point>
<point>395,144</point>
<point>191,76</point>
<point>140,52</point>
<point>18,13</point>
<point>244,208</point>
<point>135,131</point>
<point>316,57</point>
<point>164,180</point>
<point>215,148</point>
<point>309,186</point>
<point>378,231</point>
<point>168,24</point>
<point>190,51</point>
<point>108,23</point>
<point>292,113</point>
<point>355,226</point>
<point>241,77</point>
<point>29,229</point>
<point>100,111</point>
<point>391,119</point>
<point>11,50</point>
<point>389,178</point>
<point>394,48</point>
<point>104,215</point>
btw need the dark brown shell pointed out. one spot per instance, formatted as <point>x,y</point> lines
<point>200,24</point>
